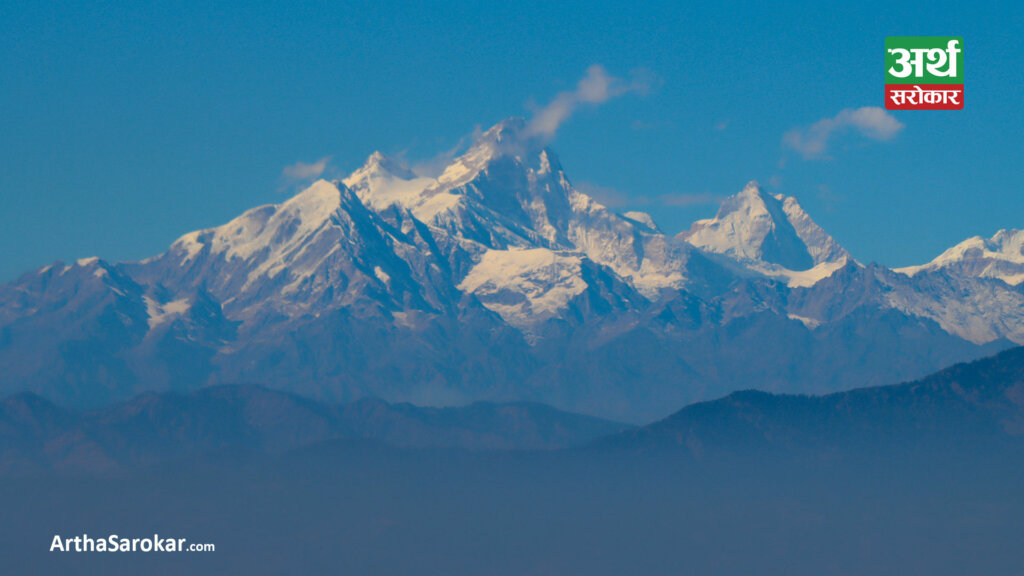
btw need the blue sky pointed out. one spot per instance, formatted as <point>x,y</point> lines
<point>125,126</point>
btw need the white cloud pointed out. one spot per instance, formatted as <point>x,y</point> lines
<point>303,172</point>
<point>596,87</point>
<point>433,167</point>
<point>870,121</point>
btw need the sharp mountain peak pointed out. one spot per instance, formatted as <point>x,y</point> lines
<point>758,226</point>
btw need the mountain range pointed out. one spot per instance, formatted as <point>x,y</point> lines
<point>500,281</point>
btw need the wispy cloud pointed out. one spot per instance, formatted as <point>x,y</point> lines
<point>596,87</point>
<point>433,167</point>
<point>301,172</point>
<point>870,122</point>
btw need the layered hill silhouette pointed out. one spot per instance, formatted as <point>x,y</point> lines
<point>972,407</point>
<point>38,436</point>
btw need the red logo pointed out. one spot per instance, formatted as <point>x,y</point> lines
<point>924,96</point>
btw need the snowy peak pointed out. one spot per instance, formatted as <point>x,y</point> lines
<point>503,153</point>
<point>754,226</point>
<point>1001,256</point>
<point>504,190</point>
<point>384,181</point>
<point>379,165</point>
<point>508,190</point>
<point>508,139</point>
<point>90,271</point>
<point>820,245</point>
<point>266,227</point>
<point>322,248</point>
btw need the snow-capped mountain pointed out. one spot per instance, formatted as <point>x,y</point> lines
<point>972,290</point>
<point>506,191</point>
<point>772,234</point>
<point>499,280</point>
<point>1001,256</point>
<point>508,203</point>
<point>321,248</point>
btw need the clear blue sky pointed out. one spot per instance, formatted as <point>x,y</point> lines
<point>122,127</point>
